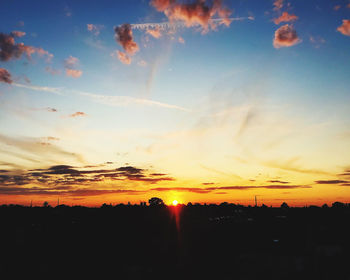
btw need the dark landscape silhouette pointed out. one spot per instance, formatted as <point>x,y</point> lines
<point>193,241</point>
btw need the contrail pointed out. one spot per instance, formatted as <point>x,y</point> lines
<point>111,100</point>
<point>166,25</point>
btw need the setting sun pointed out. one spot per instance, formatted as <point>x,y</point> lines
<point>175,202</point>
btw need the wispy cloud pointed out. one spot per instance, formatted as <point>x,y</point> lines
<point>94,29</point>
<point>127,100</point>
<point>31,146</point>
<point>278,5</point>
<point>78,114</point>
<point>291,165</point>
<point>40,88</point>
<point>110,100</point>
<point>226,188</point>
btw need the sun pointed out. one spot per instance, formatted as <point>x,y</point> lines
<point>175,202</point>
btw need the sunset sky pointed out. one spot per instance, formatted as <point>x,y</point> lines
<point>201,101</point>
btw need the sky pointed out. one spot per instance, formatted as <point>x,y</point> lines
<point>195,101</point>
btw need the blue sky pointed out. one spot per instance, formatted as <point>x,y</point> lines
<point>226,100</point>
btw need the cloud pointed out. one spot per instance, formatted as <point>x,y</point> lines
<point>123,57</point>
<point>110,100</point>
<point>64,191</point>
<point>278,5</point>
<point>142,63</point>
<point>42,52</point>
<point>73,181</point>
<point>317,41</point>
<point>124,36</point>
<point>78,114</point>
<point>154,32</point>
<point>18,33</point>
<point>285,17</point>
<point>331,182</point>
<point>336,7</point>
<point>345,173</point>
<point>52,71</point>
<point>95,29</point>
<point>179,189</point>
<point>285,36</point>
<point>29,148</point>
<point>127,100</point>
<point>74,73</point>
<point>278,181</point>
<point>236,188</point>
<point>291,165</point>
<point>181,40</point>
<point>40,88</point>
<point>162,5</point>
<point>70,63</point>
<point>345,27</point>
<point>196,13</point>
<point>10,50</point>
<point>53,110</point>
<point>5,76</point>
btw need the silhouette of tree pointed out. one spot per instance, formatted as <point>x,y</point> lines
<point>338,204</point>
<point>325,205</point>
<point>155,201</point>
<point>284,205</point>
<point>46,204</point>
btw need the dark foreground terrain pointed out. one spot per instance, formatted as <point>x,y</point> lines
<point>183,242</point>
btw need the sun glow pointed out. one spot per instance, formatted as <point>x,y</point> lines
<point>175,202</point>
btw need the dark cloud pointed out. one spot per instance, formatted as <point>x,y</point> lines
<point>285,36</point>
<point>5,76</point>
<point>130,170</point>
<point>67,175</point>
<point>331,182</point>
<point>278,181</point>
<point>10,50</point>
<point>64,191</point>
<point>53,110</point>
<point>345,173</point>
<point>124,36</point>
